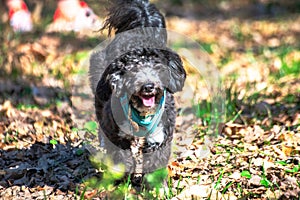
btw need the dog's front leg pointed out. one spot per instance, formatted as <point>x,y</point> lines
<point>137,153</point>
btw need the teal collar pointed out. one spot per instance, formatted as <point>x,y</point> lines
<point>147,125</point>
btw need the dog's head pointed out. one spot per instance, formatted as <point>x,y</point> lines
<point>146,84</point>
<point>143,79</point>
<point>143,75</point>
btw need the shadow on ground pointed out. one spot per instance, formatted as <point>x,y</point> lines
<point>61,167</point>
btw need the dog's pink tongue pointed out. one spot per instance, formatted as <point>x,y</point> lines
<point>148,101</point>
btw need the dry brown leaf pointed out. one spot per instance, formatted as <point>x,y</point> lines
<point>287,150</point>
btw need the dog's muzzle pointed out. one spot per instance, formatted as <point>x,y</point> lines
<point>147,95</point>
<point>147,124</point>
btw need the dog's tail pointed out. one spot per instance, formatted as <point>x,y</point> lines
<point>125,15</point>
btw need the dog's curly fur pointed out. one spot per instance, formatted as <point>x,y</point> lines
<point>142,72</point>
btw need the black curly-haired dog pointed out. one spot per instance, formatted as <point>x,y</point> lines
<point>133,79</point>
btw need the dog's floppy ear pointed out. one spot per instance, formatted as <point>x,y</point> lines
<point>177,72</point>
<point>110,82</point>
<point>103,91</point>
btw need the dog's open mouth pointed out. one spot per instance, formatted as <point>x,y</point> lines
<point>148,100</point>
<point>146,103</point>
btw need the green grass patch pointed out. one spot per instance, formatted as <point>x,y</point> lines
<point>232,111</point>
<point>264,180</point>
<point>287,66</point>
<point>281,162</point>
<point>53,142</point>
<point>225,60</point>
<point>246,174</point>
<point>203,111</point>
<point>91,127</point>
<point>290,98</point>
<point>207,47</point>
<point>295,169</point>
<point>117,186</point>
<point>218,183</point>
<point>27,107</point>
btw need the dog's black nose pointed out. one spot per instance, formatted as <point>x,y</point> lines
<point>149,87</point>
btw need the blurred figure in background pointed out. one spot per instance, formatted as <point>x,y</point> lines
<point>19,15</point>
<point>70,15</point>
<point>73,15</point>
